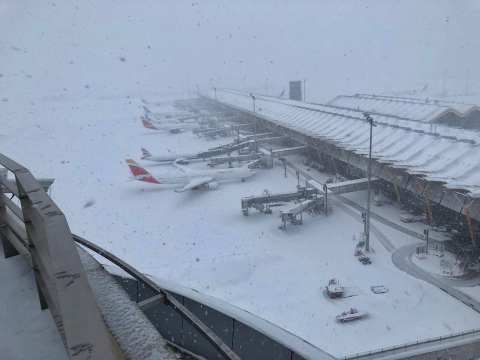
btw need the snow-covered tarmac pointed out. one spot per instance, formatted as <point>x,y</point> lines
<point>200,239</point>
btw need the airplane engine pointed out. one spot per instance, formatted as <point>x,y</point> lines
<point>213,185</point>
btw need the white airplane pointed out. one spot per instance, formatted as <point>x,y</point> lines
<point>165,159</point>
<point>192,179</point>
<point>171,117</point>
<point>173,128</point>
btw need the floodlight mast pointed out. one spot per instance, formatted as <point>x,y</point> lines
<point>369,178</point>
<point>253,99</point>
<point>256,120</point>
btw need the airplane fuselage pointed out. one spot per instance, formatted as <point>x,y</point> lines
<point>219,175</point>
<point>192,178</point>
<point>226,174</point>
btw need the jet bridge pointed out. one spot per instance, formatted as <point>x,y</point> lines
<point>350,185</point>
<point>266,156</point>
<point>234,146</point>
<point>272,139</point>
<point>264,202</point>
<point>213,161</point>
<point>337,188</point>
<point>288,150</point>
<point>294,214</point>
<point>269,154</point>
<point>257,136</point>
<point>223,149</point>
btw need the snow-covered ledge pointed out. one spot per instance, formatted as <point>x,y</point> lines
<point>135,334</point>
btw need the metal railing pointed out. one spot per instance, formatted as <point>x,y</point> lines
<point>38,229</point>
<point>162,296</point>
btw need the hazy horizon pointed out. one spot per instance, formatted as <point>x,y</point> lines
<point>89,48</point>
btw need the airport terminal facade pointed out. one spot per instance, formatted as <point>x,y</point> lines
<point>424,152</point>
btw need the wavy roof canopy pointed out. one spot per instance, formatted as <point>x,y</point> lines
<point>437,152</point>
<point>424,110</point>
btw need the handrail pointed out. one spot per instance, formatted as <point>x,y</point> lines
<point>61,280</point>
<point>218,343</point>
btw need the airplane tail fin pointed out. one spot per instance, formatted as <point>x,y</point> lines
<point>146,154</point>
<point>148,124</point>
<point>146,110</point>
<point>140,173</point>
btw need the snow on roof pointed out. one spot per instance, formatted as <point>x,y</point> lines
<point>424,110</point>
<point>435,151</point>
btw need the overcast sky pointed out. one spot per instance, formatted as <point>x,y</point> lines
<point>134,47</point>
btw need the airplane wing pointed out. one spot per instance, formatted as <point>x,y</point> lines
<point>198,181</point>
<point>184,169</point>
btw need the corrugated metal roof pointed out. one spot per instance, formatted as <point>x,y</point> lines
<point>438,152</point>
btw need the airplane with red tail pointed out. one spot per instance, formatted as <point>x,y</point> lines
<point>192,179</point>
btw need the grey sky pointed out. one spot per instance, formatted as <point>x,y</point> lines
<point>120,47</point>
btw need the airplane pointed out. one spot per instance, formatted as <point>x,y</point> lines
<point>172,127</point>
<point>165,159</point>
<point>170,117</point>
<point>192,179</point>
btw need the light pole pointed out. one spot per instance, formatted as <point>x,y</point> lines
<point>256,121</point>
<point>369,176</point>
<point>425,232</point>
<point>215,92</point>
<point>253,99</point>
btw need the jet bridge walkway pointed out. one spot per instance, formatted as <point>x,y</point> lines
<point>294,214</point>
<point>288,150</point>
<point>213,161</point>
<point>257,136</point>
<point>313,196</point>
<point>337,188</point>
<point>264,202</point>
<point>225,149</point>
<point>349,186</point>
